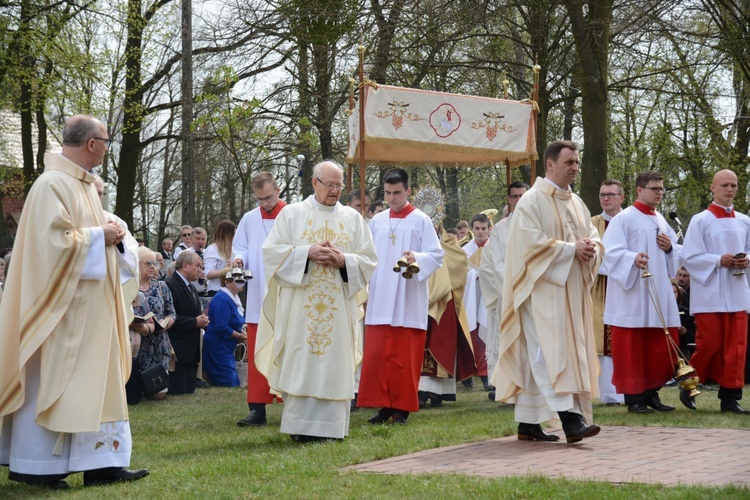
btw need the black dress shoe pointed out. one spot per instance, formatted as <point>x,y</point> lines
<point>400,417</point>
<point>534,432</point>
<point>111,475</point>
<point>468,382</point>
<point>687,400</point>
<point>657,405</point>
<point>733,407</point>
<point>639,408</point>
<point>580,430</point>
<point>201,384</point>
<point>253,419</point>
<point>51,481</point>
<point>491,395</point>
<point>382,416</point>
<point>436,400</point>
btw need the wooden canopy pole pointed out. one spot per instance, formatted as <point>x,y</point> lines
<point>535,113</point>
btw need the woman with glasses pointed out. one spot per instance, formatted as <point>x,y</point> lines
<point>217,255</point>
<point>225,330</point>
<point>155,346</point>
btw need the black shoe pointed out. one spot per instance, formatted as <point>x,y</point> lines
<point>687,400</point>
<point>657,405</point>
<point>733,407</point>
<point>491,395</point>
<point>51,481</point>
<point>436,400</point>
<point>301,438</point>
<point>612,404</point>
<point>639,408</point>
<point>201,384</point>
<point>400,417</point>
<point>253,419</point>
<point>580,430</point>
<point>382,416</point>
<point>489,388</point>
<point>111,475</point>
<point>485,383</point>
<point>469,382</point>
<point>534,432</point>
<point>353,406</point>
<point>422,396</point>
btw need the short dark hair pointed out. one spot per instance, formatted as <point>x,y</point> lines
<point>396,176</point>
<point>612,182</point>
<point>79,129</point>
<point>553,150</point>
<point>517,185</point>
<point>642,179</point>
<point>481,218</point>
<point>375,204</point>
<point>451,230</point>
<point>354,195</point>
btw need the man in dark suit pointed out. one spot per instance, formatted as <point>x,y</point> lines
<point>186,333</point>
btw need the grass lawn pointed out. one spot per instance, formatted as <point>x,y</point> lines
<point>194,450</point>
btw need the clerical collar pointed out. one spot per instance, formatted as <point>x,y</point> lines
<point>608,217</point>
<point>643,208</point>
<point>721,212</point>
<point>323,208</point>
<point>273,213</point>
<point>558,187</point>
<point>401,214</point>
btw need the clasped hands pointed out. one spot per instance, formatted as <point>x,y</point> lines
<point>585,250</point>
<point>730,260</point>
<point>326,254</point>
<point>113,233</point>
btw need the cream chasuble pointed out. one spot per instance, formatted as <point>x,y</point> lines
<point>77,326</point>
<point>491,273</point>
<point>547,294</point>
<point>309,343</point>
<point>598,293</point>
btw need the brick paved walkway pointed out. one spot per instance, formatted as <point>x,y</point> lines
<point>714,457</point>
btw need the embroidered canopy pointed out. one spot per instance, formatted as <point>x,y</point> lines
<point>409,127</point>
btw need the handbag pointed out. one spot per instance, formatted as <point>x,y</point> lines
<point>240,359</point>
<point>155,378</point>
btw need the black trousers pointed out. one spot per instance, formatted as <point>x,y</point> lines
<point>182,379</point>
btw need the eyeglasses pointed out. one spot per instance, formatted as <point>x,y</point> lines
<point>184,235</point>
<point>331,187</point>
<point>267,198</point>
<point>151,263</point>
<point>656,190</point>
<point>608,195</point>
<point>108,141</point>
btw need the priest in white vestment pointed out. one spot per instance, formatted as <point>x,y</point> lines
<point>318,257</point>
<point>64,340</point>
<point>491,275</point>
<point>547,363</point>
<point>610,198</point>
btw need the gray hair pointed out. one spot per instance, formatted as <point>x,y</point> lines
<point>79,129</point>
<point>319,166</point>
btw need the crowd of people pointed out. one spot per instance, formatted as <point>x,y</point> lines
<point>360,305</point>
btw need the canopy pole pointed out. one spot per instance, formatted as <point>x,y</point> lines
<point>351,110</point>
<point>362,93</point>
<point>535,114</point>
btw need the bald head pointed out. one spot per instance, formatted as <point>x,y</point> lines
<point>85,141</point>
<point>724,187</point>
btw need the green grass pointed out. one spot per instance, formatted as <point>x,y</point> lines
<point>194,450</point>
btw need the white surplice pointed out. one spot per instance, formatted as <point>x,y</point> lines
<point>715,288</point>
<point>394,300</point>
<point>628,304</point>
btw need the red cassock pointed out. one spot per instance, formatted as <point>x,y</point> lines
<point>257,385</point>
<point>391,367</point>
<point>642,359</point>
<point>721,344</point>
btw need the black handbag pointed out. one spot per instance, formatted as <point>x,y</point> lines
<point>155,379</point>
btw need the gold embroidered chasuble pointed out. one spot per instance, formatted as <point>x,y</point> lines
<point>79,327</point>
<point>598,293</point>
<point>309,342</point>
<point>543,275</point>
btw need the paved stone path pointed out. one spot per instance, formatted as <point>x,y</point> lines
<point>663,455</point>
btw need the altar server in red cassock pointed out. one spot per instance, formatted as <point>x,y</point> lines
<point>396,317</point>
<point>636,239</point>
<point>714,252</point>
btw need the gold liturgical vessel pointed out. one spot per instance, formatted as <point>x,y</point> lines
<point>684,373</point>
<point>409,269</point>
